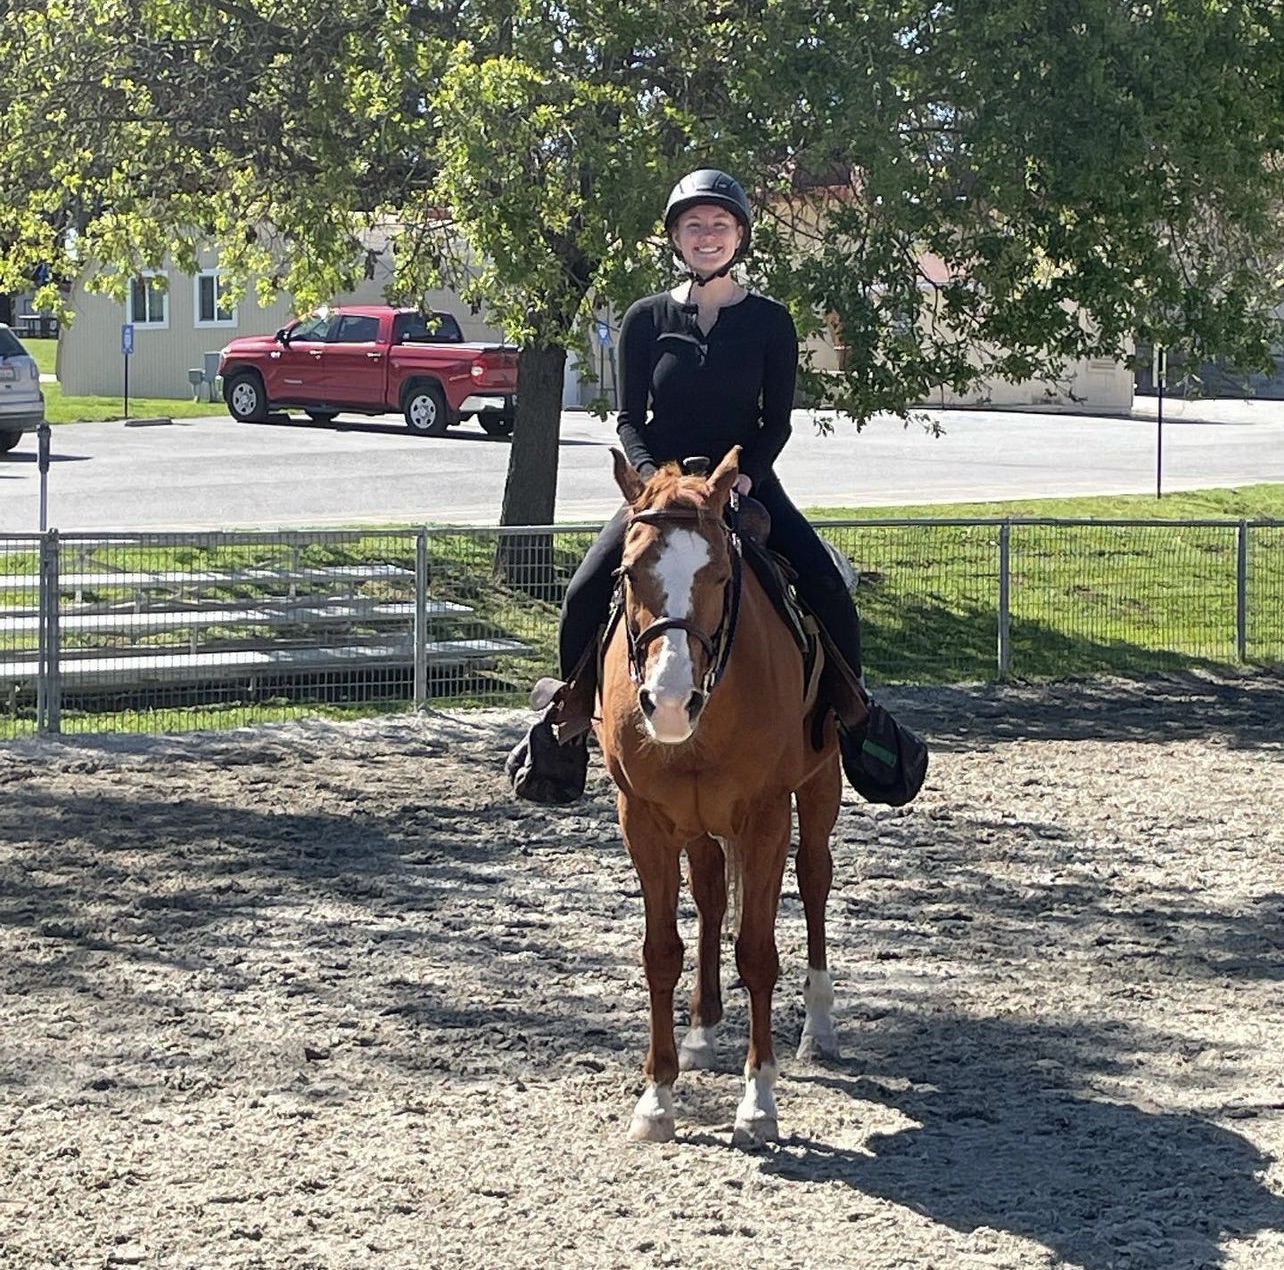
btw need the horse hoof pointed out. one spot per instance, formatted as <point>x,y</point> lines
<point>814,1048</point>
<point>696,1053</point>
<point>652,1128</point>
<point>749,1135</point>
<point>653,1119</point>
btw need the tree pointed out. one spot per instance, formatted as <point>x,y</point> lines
<point>964,193</point>
<point>1004,186</point>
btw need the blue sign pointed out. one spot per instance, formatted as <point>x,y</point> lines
<point>603,333</point>
<point>127,338</point>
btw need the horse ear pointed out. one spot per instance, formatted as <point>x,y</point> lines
<point>626,477</point>
<point>724,475</point>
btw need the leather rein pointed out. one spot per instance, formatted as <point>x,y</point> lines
<point>716,646</point>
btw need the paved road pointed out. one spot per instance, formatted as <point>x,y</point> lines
<point>215,473</point>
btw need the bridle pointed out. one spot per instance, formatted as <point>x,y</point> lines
<point>716,646</point>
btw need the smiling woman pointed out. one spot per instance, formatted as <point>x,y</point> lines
<point>707,367</point>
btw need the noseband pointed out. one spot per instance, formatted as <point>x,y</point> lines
<point>717,647</point>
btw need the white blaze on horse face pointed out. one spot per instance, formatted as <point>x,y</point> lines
<point>670,677</point>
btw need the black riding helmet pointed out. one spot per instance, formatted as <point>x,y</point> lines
<point>709,185</point>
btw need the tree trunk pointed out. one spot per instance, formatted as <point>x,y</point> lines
<point>530,489</point>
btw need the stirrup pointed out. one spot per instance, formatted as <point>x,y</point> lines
<point>564,705</point>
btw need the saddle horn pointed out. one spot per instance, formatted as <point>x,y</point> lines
<point>696,465</point>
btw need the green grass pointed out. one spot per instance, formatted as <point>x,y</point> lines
<point>1250,502</point>
<point>45,352</point>
<point>1085,599</point>
<point>61,409</point>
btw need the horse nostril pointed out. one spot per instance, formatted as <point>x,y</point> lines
<point>646,701</point>
<point>695,703</point>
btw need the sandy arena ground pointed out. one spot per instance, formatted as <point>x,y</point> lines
<point>323,996</point>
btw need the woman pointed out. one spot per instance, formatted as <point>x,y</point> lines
<point>704,367</point>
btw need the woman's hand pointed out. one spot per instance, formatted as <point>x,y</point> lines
<point>742,484</point>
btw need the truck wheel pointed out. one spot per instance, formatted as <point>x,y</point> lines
<point>426,412</point>
<point>495,424</point>
<point>8,440</point>
<point>245,398</point>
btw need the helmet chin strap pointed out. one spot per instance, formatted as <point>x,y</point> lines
<point>709,277</point>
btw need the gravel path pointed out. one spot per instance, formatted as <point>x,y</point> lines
<point>323,996</point>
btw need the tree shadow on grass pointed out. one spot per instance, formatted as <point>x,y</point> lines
<point>910,640</point>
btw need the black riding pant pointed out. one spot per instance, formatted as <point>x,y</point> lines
<point>820,586</point>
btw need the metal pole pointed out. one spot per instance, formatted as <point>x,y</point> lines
<point>48,706</point>
<point>1005,596</point>
<point>421,619</point>
<point>1241,593</point>
<point>42,441</point>
<point>42,641</point>
<point>1161,373</point>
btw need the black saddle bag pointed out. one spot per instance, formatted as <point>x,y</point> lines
<point>884,762</point>
<point>542,771</point>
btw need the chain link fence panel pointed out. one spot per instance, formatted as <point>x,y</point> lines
<point>167,632</point>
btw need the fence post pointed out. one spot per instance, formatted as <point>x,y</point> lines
<point>421,618</point>
<point>48,680</point>
<point>1005,597</point>
<point>1241,592</point>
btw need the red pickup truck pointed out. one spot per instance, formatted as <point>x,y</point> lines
<point>372,359</point>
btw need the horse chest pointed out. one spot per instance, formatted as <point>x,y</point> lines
<point>693,795</point>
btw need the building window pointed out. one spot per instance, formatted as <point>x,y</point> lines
<point>212,305</point>
<point>148,303</point>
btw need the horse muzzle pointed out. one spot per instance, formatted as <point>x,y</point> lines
<point>671,718</point>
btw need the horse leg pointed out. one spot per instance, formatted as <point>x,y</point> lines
<point>709,886</point>
<point>658,865</point>
<point>818,803</point>
<point>763,862</point>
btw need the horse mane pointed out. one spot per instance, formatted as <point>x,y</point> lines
<point>671,487</point>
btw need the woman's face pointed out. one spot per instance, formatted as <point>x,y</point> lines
<point>707,237</point>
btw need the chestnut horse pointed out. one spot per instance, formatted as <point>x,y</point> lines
<point>707,732</point>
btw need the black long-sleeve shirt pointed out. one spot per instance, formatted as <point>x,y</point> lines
<point>707,393</point>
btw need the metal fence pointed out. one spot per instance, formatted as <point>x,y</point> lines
<point>164,632</point>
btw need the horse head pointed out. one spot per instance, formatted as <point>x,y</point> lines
<point>680,578</point>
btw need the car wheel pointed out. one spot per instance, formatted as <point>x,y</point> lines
<point>8,440</point>
<point>425,409</point>
<point>322,416</point>
<point>496,425</point>
<point>246,399</point>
